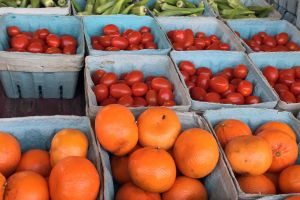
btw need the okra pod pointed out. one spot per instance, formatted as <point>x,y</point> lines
<point>180,4</point>
<point>2,5</point>
<point>76,6</point>
<point>10,3</point>
<point>127,9</point>
<point>62,3</point>
<point>171,2</point>
<point>48,3</point>
<point>157,6</point>
<point>167,7</point>
<point>139,10</point>
<point>116,9</point>
<point>101,9</point>
<point>108,11</point>
<point>141,3</point>
<point>35,3</point>
<point>189,4</point>
<point>175,13</point>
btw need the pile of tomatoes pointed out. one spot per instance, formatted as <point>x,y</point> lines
<point>228,86</point>
<point>131,40</point>
<point>264,42</point>
<point>186,40</point>
<point>286,82</point>
<point>40,41</point>
<point>132,89</point>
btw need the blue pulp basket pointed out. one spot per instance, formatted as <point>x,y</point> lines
<point>254,118</point>
<point>217,61</point>
<point>250,27</point>
<point>208,25</point>
<point>93,26</point>
<point>29,75</point>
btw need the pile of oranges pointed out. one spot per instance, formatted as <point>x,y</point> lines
<point>264,162</point>
<point>152,158</point>
<point>62,173</point>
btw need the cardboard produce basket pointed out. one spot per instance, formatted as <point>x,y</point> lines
<point>217,61</point>
<point>35,75</point>
<point>154,65</point>
<point>254,117</point>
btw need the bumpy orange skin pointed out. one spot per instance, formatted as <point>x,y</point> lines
<point>256,184</point>
<point>277,126</point>
<point>129,191</point>
<point>289,179</point>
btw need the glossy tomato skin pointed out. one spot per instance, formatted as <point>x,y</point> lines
<point>204,70</point>
<point>185,75</point>
<point>134,37</point>
<point>282,38</point>
<point>139,89</point>
<point>110,29</point>
<point>69,50</point>
<point>257,39</point>
<point>68,40</point>
<point>97,75</point>
<point>188,38</point>
<point>269,41</point>
<point>108,101</point>
<point>126,100</point>
<point>279,88</point>
<point>200,35</point>
<point>187,66</point>
<point>212,97</point>
<point>231,89</point>
<point>104,40</point>
<point>134,76</point>
<point>164,95</point>
<point>127,32</point>
<point>97,46</point>
<point>295,88</point>
<point>139,102</point>
<point>178,46</point>
<point>109,78</point>
<point>53,50</point>
<point>190,85</point>
<point>145,29</point>
<point>147,37</point>
<point>118,90</point>
<point>35,47</point>
<point>53,40</point>
<point>224,47</point>
<point>252,100</point>
<point>297,71</point>
<point>199,43</point>
<point>179,36</point>
<point>198,93</point>
<point>292,46</point>
<point>159,83</point>
<point>151,97</point>
<point>236,98</point>
<point>101,92</point>
<point>245,88</point>
<point>19,41</point>
<point>286,79</point>
<point>13,31</point>
<point>240,71</point>
<point>288,97</point>
<point>120,42</point>
<point>203,81</point>
<point>150,45</point>
<point>169,103</point>
<point>228,71</point>
<point>43,33</point>
<point>219,84</point>
<point>271,73</point>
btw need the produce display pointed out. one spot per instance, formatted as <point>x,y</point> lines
<point>112,7</point>
<point>131,40</point>
<point>286,82</point>
<point>264,161</point>
<point>228,86</point>
<point>132,89</point>
<point>264,42</point>
<point>235,9</point>
<point>40,174</point>
<point>145,158</point>
<point>177,8</point>
<point>40,41</point>
<point>33,3</point>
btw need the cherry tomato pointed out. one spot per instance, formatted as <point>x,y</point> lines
<point>271,73</point>
<point>269,41</point>
<point>212,97</point>
<point>198,93</point>
<point>109,78</point>
<point>69,50</point>
<point>38,40</point>
<point>118,90</point>
<point>245,88</point>
<point>190,84</point>
<point>151,98</point>
<point>126,100</point>
<point>262,34</point>
<point>35,47</point>
<point>134,76</point>
<point>68,40</point>
<point>213,46</point>
<point>110,29</point>
<point>240,71</point>
<point>53,40</point>
<point>252,100</point>
<point>120,42</point>
<point>200,35</point>
<point>292,46</point>
<point>236,81</point>
<point>289,72</point>
<point>101,92</point>
<point>229,72</point>
<point>203,81</point>
<point>231,89</point>
<point>145,29</point>
<point>19,41</point>
<point>236,98</point>
<point>170,35</point>
<point>193,78</point>
<point>185,75</point>
<point>199,43</point>
<point>191,48</point>
<point>43,33</point>
<point>133,47</point>
<point>282,38</point>
<point>112,49</point>
<point>164,95</point>
<point>139,89</point>
<point>147,37</point>
<point>297,71</point>
<point>150,45</point>
<point>286,79</point>
<point>257,39</point>
<point>214,38</point>
<point>188,38</point>
<point>179,36</point>
<point>108,101</point>
<point>224,47</point>
<point>178,46</point>
<point>159,83</point>
<point>295,88</point>
<point>237,33</point>
<point>97,46</point>
<point>29,35</point>
<point>104,40</point>
<point>139,102</point>
<point>288,97</point>
<point>134,37</point>
<point>187,66</point>
<point>279,88</point>
<point>127,32</point>
<point>13,31</point>
<point>204,70</point>
<point>169,103</point>
<point>219,84</point>
<point>97,75</point>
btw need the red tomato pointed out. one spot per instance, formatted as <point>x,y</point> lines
<point>297,71</point>
<point>19,41</point>
<point>133,47</point>
<point>224,47</point>
<point>236,98</point>
<point>212,97</point>
<point>98,46</point>
<point>29,35</point>
<point>139,89</point>
<point>169,103</point>
<point>159,83</point>
<point>199,43</point>
<point>286,79</point>
<point>204,70</point>
<point>38,40</point>
<point>134,37</point>
<point>43,33</point>
<point>68,40</point>
<point>35,47</point>
<point>288,97</point>
<point>257,39</point>
<point>279,88</point>
<point>126,100</point>
<point>101,92</point>
<point>164,95</point>
<point>237,33</point>
<point>151,98</point>
<point>228,71</point>
<point>150,45</point>
<point>104,40</point>
<point>203,81</point>
<point>179,36</point>
<point>213,46</point>
<point>170,35</point>
<point>53,50</point>
<point>262,34</point>
<point>108,101</point>
<point>231,89</point>
<point>214,38</point>
<point>298,99</point>
<point>236,81</point>
<point>271,73</point>
<point>145,29</point>
<point>147,37</point>
<point>289,72</point>
<point>69,50</point>
<point>185,75</point>
<point>178,46</point>
<point>295,88</point>
<point>134,76</point>
<point>53,40</point>
<point>127,32</point>
<point>193,78</point>
<point>139,102</point>
<point>292,46</point>
<point>282,38</point>
<point>219,84</point>
<point>190,84</point>
<point>191,48</point>
<point>252,100</point>
<point>13,31</point>
<point>200,35</point>
<point>110,29</point>
<point>188,38</point>
<point>112,49</point>
<point>269,41</point>
<point>188,67</point>
<point>198,93</point>
<point>245,88</point>
<point>118,90</point>
<point>109,78</point>
<point>97,75</point>
<point>240,71</point>
<point>256,48</point>
<point>120,42</point>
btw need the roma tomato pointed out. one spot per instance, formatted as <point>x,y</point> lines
<point>126,100</point>
<point>271,73</point>
<point>110,29</point>
<point>188,67</point>
<point>190,84</point>
<point>279,88</point>
<point>292,46</point>
<point>169,103</point>
<point>204,70</point>
<point>257,39</point>
<point>236,98</point>
<point>288,97</point>
<point>212,97</point>
<point>13,31</point>
<point>159,83</point>
<point>118,90</point>
<point>68,40</point>
<point>229,72</point>
<point>139,102</point>
<point>97,75</point>
<point>188,38</point>
<point>101,92</point>
<point>164,95</point>
<point>120,42</point>
<point>269,41</point>
<point>219,84</point>
<point>150,45</point>
<point>185,75</point>
<point>252,100</point>
<point>109,78</point>
<point>127,32</point>
<point>178,46</point>
<point>240,71</point>
<point>282,38</point>
<point>199,43</point>
<point>134,76</point>
<point>231,89</point>
<point>145,29</point>
<point>43,33</point>
<point>139,89</point>
<point>236,81</point>
<point>245,88</point>
<point>69,50</point>
<point>179,36</point>
<point>108,101</point>
<point>224,47</point>
<point>200,35</point>
<point>203,81</point>
<point>151,98</point>
<point>134,37</point>
<point>262,34</point>
<point>53,40</point>
<point>295,88</point>
<point>104,40</point>
<point>19,41</point>
<point>35,47</point>
<point>198,93</point>
<point>286,79</point>
<point>147,37</point>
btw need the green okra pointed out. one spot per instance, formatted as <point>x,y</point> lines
<point>176,13</point>
<point>141,3</point>
<point>180,4</point>
<point>127,9</point>
<point>116,9</point>
<point>76,6</point>
<point>171,2</point>
<point>10,3</point>
<point>189,4</point>
<point>101,9</point>
<point>108,11</point>
<point>48,3</point>
<point>139,10</point>
<point>35,3</point>
<point>62,3</point>
<point>24,3</point>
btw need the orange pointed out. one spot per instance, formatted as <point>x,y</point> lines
<point>186,188</point>
<point>36,160</point>
<point>274,178</point>
<point>74,178</point>
<point>10,153</point>
<point>158,127</point>
<point>230,129</point>
<point>293,198</point>
<point>256,184</point>
<point>152,169</point>
<point>116,129</point>
<point>119,168</point>
<point>249,154</point>
<point>284,148</point>
<point>68,142</point>
<point>2,186</point>
<point>131,192</point>
<point>289,179</point>
<point>280,126</point>
<point>26,185</point>
<point>196,153</point>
